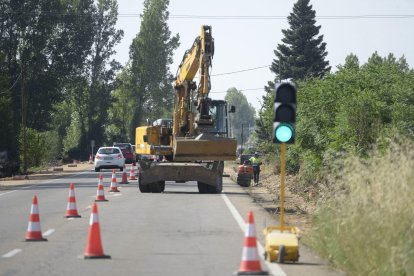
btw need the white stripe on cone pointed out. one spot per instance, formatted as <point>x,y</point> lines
<point>34,209</point>
<point>99,192</point>
<point>93,219</point>
<point>250,230</point>
<point>71,206</point>
<point>250,254</point>
<point>34,226</point>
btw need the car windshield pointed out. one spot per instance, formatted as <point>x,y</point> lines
<point>108,151</point>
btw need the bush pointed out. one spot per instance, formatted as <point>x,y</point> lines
<point>368,227</point>
<point>42,147</point>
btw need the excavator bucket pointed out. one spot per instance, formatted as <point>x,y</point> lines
<point>204,147</point>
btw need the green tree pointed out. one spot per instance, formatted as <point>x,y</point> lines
<point>28,41</point>
<point>5,107</point>
<point>89,43</point>
<point>120,112</point>
<point>244,118</point>
<point>353,110</point>
<point>302,54</point>
<point>57,51</point>
<point>101,69</point>
<point>151,54</point>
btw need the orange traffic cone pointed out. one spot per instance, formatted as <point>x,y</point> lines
<point>114,185</point>
<point>250,262</point>
<point>33,229</point>
<point>132,173</point>
<point>124,177</point>
<point>71,211</point>
<point>94,248</point>
<point>100,195</point>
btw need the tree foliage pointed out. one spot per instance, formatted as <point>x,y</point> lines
<point>6,125</point>
<point>244,116</point>
<point>121,109</point>
<point>303,52</point>
<point>56,52</point>
<point>151,55</point>
<point>351,111</point>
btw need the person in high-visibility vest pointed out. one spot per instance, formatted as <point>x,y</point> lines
<point>256,166</point>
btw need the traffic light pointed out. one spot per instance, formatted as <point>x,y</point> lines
<point>284,113</point>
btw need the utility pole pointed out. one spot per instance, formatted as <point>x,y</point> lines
<point>24,116</point>
<point>241,147</point>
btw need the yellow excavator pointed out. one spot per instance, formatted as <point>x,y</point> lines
<point>195,143</point>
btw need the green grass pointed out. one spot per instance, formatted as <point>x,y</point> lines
<point>367,228</point>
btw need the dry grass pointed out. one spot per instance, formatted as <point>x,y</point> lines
<point>368,227</point>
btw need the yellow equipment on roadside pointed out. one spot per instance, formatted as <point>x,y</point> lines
<point>194,143</point>
<point>282,242</point>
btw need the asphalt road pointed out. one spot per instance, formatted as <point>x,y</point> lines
<point>178,232</point>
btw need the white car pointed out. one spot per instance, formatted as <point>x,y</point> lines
<point>109,158</point>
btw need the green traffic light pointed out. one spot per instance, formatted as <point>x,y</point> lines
<point>283,133</point>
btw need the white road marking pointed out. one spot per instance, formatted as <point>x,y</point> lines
<point>274,268</point>
<point>27,187</point>
<point>9,192</point>
<point>11,253</point>
<point>48,232</point>
<point>30,186</point>
<point>71,218</point>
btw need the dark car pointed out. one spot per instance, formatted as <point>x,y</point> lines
<point>8,166</point>
<point>127,151</point>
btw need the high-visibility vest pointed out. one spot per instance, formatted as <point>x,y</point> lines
<point>254,160</point>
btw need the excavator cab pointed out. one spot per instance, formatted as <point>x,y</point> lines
<point>213,142</point>
<point>218,112</point>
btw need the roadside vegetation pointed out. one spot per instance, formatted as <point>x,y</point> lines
<point>366,225</point>
<point>353,151</point>
<point>61,89</point>
<point>347,154</point>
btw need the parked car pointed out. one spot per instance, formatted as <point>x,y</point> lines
<point>109,158</point>
<point>8,166</point>
<point>127,151</point>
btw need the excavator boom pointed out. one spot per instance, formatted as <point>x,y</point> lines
<point>194,112</point>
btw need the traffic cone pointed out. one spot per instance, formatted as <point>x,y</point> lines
<point>124,176</point>
<point>90,159</point>
<point>250,262</point>
<point>71,211</point>
<point>100,195</point>
<point>132,173</point>
<point>94,248</point>
<point>114,185</point>
<point>33,229</point>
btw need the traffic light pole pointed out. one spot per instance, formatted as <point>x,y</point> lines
<point>284,119</point>
<point>282,184</point>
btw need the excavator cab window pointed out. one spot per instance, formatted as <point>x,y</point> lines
<point>218,112</point>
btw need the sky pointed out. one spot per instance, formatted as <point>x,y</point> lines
<point>243,43</point>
